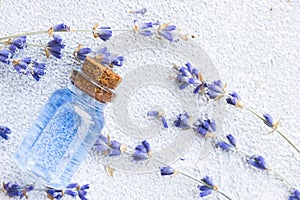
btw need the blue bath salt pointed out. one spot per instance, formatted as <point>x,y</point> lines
<point>61,137</point>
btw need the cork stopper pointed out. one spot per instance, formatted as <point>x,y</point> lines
<point>96,80</point>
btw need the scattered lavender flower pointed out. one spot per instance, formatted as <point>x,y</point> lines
<point>54,47</point>
<point>207,188</point>
<point>165,30</point>
<point>216,90</point>
<point>108,147</point>
<point>15,190</point>
<point>204,127</point>
<point>295,195</point>
<point>157,114</point>
<point>182,121</point>
<point>167,171</point>
<point>4,132</point>
<point>16,44</point>
<point>140,11</point>
<point>80,52</point>
<point>142,151</point>
<point>58,27</point>
<point>5,56</point>
<point>104,32</point>
<point>257,161</point>
<point>234,100</point>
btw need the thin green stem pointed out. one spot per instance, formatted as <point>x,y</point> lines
<point>279,132</point>
<point>290,142</point>
<point>284,179</point>
<point>254,113</point>
<point>24,34</point>
<point>276,173</point>
<point>46,31</point>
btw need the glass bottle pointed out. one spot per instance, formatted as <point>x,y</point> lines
<point>68,125</point>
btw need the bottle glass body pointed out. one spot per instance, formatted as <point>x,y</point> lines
<point>61,137</point>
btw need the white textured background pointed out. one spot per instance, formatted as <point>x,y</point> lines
<point>255,47</point>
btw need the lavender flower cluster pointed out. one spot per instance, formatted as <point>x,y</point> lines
<point>73,189</point>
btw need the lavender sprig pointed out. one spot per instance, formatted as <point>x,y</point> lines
<point>73,190</point>
<point>206,187</point>
<point>256,161</point>
<point>16,190</point>
<point>268,120</point>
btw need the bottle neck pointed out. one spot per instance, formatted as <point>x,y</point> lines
<point>84,98</point>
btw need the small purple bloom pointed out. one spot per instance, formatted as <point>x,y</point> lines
<point>257,161</point>
<point>105,58</point>
<point>157,114</point>
<point>104,33</point>
<point>38,70</point>
<point>70,193</point>
<point>269,120</point>
<point>82,191</point>
<point>234,100</point>
<point>15,190</point>
<point>5,56</point>
<point>81,52</point>
<point>167,171</point>
<point>61,27</point>
<point>17,43</point>
<point>164,122</point>
<point>153,113</point>
<point>187,75</point>
<point>207,188</point>
<point>4,132</point>
<point>204,193</point>
<point>22,65</point>
<point>182,121</point>
<point>72,185</point>
<point>107,147</point>
<point>140,11</point>
<point>295,195</point>
<point>144,29</point>
<point>142,151</point>
<point>216,90</point>
<point>208,181</point>
<point>224,145</point>
<point>54,47</point>
<point>54,193</point>
<point>165,31</point>
<point>205,126</point>
<point>117,60</point>
<point>231,139</point>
